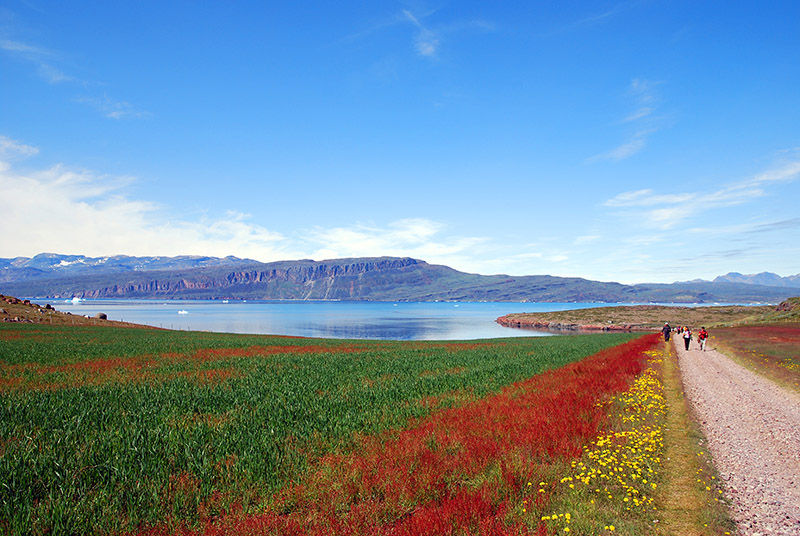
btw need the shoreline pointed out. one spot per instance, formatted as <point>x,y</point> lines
<point>638,318</point>
<point>510,321</point>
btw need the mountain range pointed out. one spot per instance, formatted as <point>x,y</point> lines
<point>764,278</point>
<point>374,279</point>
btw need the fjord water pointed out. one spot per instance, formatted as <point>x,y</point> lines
<point>328,319</point>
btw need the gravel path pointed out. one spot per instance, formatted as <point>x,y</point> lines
<point>753,432</point>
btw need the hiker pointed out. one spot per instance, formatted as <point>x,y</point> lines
<point>702,336</point>
<point>687,336</point>
<point>667,330</point>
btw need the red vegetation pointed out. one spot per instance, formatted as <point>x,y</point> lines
<point>780,333</point>
<point>459,471</point>
<point>144,368</point>
<point>29,334</point>
<point>771,339</point>
<point>776,346</point>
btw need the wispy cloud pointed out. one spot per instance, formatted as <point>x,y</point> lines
<point>725,254</point>
<point>114,109</point>
<point>43,60</point>
<point>783,225</point>
<point>625,150</point>
<point>593,19</point>
<point>40,57</point>
<point>22,48</point>
<point>673,209</point>
<point>645,97</point>
<point>586,239</point>
<point>788,172</point>
<point>426,41</point>
<point>647,197</point>
<point>641,120</point>
<point>12,149</point>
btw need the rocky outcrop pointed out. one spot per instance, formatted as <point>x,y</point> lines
<point>792,304</point>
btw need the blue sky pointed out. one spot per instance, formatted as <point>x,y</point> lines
<point>641,141</point>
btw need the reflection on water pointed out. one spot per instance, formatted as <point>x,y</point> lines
<point>341,320</point>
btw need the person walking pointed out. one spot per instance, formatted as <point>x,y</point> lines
<point>702,336</point>
<point>666,330</point>
<point>687,336</point>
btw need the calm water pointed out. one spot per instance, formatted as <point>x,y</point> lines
<point>343,320</point>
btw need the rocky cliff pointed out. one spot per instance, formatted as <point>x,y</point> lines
<point>375,278</point>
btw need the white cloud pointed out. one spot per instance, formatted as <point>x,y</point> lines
<point>645,98</point>
<point>65,210</point>
<point>21,48</point>
<point>624,151</point>
<point>69,211</point>
<point>11,149</point>
<point>645,95</point>
<point>673,209</point>
<point>641,113</point>
<point>413,237</point>
<point>788,172</point>
<point>586,239</point>
<point>114,109</point>
<point>42,59</point>
<point>426,41</point>
<point>647,197</point>
<point>52,74</point>
<point>39,57</point>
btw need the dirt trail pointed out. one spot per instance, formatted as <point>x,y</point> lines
<point>753,432</point>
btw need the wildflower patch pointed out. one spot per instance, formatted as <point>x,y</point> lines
<point>618,471</point>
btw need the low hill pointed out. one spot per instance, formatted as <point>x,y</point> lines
<point>15,310</point>
<point>653,317</point>
<point>375,279</point>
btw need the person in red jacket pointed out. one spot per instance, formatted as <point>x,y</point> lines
<point>702,336</point>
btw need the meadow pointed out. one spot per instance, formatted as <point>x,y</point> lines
<point>108,429</point>
<point>111,430</point>
<point>772,349</point>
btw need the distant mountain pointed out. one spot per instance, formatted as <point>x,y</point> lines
<point>52,265</point>
<point>764,278</point>
<point>372,279</point>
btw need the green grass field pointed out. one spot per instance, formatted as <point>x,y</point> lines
<point>114,429</point>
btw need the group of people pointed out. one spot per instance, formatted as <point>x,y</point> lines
<point>686,333</point>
